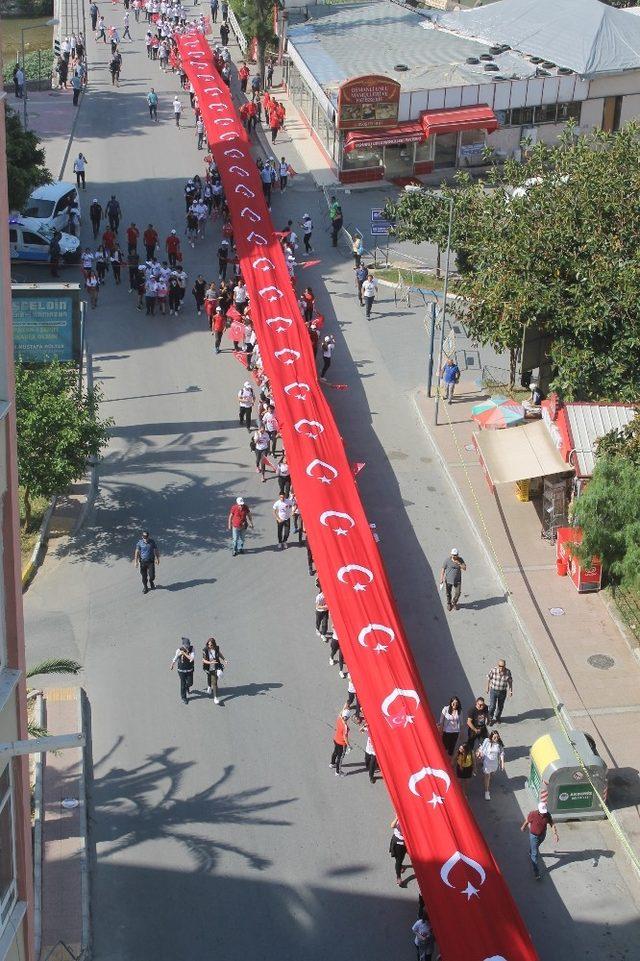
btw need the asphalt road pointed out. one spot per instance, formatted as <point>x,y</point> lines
<point>222,830</point>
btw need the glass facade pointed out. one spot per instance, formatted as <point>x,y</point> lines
<point>8,891</point>
<point>307,103</point>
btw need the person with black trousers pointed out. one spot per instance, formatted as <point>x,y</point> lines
<point>398,849</point>
<point>95,215</point>
<point>213,664</point>
<point>184,658</point>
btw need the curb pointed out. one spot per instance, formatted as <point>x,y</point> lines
<point>84,856</point>
<point>612,611</point>
<point>37,836</point>
<point>33,563</point>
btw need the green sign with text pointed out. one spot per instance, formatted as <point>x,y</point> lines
<point>46,322</point>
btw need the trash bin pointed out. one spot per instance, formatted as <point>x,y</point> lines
<point>557,778</point>
<point>561,566</point>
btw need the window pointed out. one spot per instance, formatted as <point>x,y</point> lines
<point>8,891</point>
<point>13,235</point>
<point>42,209</point>
<point>522,117</point>
<point>546,113</point>
<point>569,111</point>
<point>29,238</point>
<point>65,200</point>
<point>611,114</point>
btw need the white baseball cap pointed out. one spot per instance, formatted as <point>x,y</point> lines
<point>542,808</point>
<point>240,501</point>
<point>247,383</point>
<point>173,231</point>
<point>454,551</point>
<point>346,714</point>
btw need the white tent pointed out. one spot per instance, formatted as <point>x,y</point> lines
<point>586,35</point>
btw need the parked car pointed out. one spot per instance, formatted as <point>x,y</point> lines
<point>51,203</point>
<point>29,240</point>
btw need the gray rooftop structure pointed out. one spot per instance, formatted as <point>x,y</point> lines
<point>587,36</point>
<point>353,40</point>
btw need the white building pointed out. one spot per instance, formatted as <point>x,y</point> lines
<point>458,82</point>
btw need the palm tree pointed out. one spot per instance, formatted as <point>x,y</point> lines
<point>53,665</point>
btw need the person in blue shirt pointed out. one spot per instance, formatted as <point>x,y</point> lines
<point>450,377</point>
<point>146,556</point>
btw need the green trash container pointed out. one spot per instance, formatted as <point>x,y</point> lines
<point>556,777</point>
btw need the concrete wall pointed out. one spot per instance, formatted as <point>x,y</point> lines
<point>591,114</point>
<point>615,84</point>
<point>630,108</point>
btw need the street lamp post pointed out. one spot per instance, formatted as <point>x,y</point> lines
<point>34,26</point>
<point>444,312</point>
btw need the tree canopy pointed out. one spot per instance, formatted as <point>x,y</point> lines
<point>26,168</point>
<point>561,256</point>
<point>58,428</point>
<point>256,20</point>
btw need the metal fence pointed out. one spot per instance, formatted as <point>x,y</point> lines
<point>628,604</point>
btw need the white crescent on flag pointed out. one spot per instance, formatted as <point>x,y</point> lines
<point>358,586</point>
<point>310,423</point>
<point>278,320</point>
<point>449,865</point>
<point>321,477</point>
<point>402,716</point>
<point>340,530</point>
<point>436,772</point>
<point>287,351</point>
<point>288,388</point>
<point>369,629</point>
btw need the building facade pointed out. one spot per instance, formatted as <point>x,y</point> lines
<point>465,96</point>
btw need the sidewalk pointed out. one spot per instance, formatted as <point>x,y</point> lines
<point>599,696</point>
<point>65,900</point>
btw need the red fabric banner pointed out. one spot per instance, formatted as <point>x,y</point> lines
<point>468,902</point>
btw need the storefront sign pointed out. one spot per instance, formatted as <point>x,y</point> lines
<point>472,149</point>
<point>367,102</point>
<point>46,322</point>
<point>380,226</point>
<point>574,797</point>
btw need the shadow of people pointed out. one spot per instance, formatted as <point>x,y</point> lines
<point>572,857</point>
<point>247,690</point>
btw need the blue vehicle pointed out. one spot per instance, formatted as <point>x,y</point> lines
<point>29,240</point>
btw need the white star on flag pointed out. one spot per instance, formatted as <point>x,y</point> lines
<point>470,891</point>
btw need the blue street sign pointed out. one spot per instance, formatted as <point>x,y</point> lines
<point>380,225</point>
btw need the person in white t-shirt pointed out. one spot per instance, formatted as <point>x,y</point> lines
<point>328,347</point>
<point>177,110</point>
<point>282,510</point>
<point>283,476</point>
<point>270,424</point>
<point>246,400</point>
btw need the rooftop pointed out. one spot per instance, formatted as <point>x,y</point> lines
<point>588,423</point>
<point>354,40</point>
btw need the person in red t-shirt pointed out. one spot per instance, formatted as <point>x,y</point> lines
<point>243,74</point>
<point>132,238</point>
<point>109,240</point>
<point>150,238</point>
<point>237,522</point>
<point>172,243</point>
<point>218,325</point>
<point>537,822</point>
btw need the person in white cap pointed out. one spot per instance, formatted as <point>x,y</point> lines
<point>239,519</point>
<point>246,400</point>
<point>451,577</point>
<point>307,228</point>
<point>328,347</point>
<point>537,822</point>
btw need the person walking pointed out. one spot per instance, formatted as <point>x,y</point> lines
<point>357,248</point>
<point>152,103</point>
<point>93,13</point>
<point>237,522</point>
<point>283,476</point>
<point>499,684</point>
<point>335,215</point>
<point>477,717</point>
<point>184,658</point>
<point>199,290</point>
<point>368,291</point>
<point>133,235</point>
<point>172,246</point>
<point>218,325</point>
<point>451,577</point>
<point>79,169</point>
<point>423,938</point>
<point>340,742</point>
<point>150,240</point>
<point>491,753</point>
<point>92,285</point>
<point>307,228</point>
<point>76,86</point>
<point>246,400</point>
<point>213,664</point>
<point>328,347</point>
<point>150,295</point>
<point>361,274</point>
<point>113,212</point>
<point>450,377</point>
<point>145,557</point>
<point>282,511</point>
<point>260,446</point>
<point>54,253</point>
<point>177,110</point>
<point>214,11</point>
<point>370,763</point>
<point>449,724</point>
<point>126,34</point>
<point>398,850</point>
<point>95,216</point>
<point>464,765</point>
<point>537,822</point>
<point>322,614</point>
<point>116,263</point>
<point>334,649</point>
<point>133,260</point>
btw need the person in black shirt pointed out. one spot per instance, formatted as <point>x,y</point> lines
<point>477,718</point>
<point>134,263</point>
<point>146,556</point>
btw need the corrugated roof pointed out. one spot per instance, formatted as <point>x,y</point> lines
<point>588,36</point>
<point>353,40</point>
<point>588,423</point>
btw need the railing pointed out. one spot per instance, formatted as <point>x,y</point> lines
<point>237,32</point>
<point>628,604</point>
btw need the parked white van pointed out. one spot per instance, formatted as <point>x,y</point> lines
<point>50,204</point>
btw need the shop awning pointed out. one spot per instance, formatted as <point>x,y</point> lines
<point>479,117</point>
<point>410,132</point>
<point>518,453</point>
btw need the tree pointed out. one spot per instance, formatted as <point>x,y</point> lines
<point>560,256</point>
<point>622,443</point>
<point>53,665</point>
<point>26,168</point>
<point>58,429</point>
<point>609,514</point>
<point>256,20</point>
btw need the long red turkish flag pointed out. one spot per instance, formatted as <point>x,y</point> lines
<point>468,902</point>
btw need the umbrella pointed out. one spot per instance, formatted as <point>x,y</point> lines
<point>498,412</point>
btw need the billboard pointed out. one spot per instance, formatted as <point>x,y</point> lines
<point>368,102</point>
<point>46,322</point>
